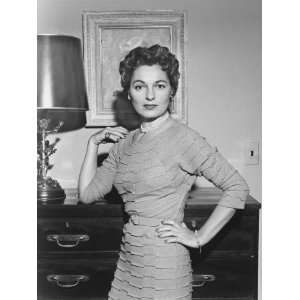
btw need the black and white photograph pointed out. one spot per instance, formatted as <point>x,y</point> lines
<point>150,150</point>
<point>149,156</point>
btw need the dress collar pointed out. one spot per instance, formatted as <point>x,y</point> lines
<point>155,124</point>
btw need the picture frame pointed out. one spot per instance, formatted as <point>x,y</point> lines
<point>107,38</point>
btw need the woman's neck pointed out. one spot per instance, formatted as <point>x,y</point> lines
<point>150,125</point>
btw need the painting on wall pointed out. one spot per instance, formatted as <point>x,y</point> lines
<point>108,37</point>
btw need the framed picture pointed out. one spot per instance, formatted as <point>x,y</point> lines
<point>108,37</point>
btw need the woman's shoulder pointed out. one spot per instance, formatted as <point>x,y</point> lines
<point>183,131</point>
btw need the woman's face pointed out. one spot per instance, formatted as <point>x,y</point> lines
<point>150,91</point>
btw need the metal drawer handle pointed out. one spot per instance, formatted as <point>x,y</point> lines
<point>201,279</point>
<point>67,281</point>
<point>67,240</point>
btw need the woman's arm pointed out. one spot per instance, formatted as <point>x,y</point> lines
<point>94,183</point>
<point>216,221</point>
<point>173,232</point>
<point>203,159</point>
<point>88,168</point>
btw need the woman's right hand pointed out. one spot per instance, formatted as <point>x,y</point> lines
<point>112,134</point>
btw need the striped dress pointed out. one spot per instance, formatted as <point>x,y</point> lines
<point>153,173</point>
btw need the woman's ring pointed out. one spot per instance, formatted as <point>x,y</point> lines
<point>107,135</point>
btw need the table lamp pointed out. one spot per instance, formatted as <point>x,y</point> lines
<point>61,103</point>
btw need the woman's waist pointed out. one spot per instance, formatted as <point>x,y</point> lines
<point>141,238</point>
<point>136,219</point>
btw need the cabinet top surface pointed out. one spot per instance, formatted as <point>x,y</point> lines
<point>204,199</point>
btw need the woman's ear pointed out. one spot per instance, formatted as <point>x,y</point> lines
<point>171,103</point>
<point>171,95</point>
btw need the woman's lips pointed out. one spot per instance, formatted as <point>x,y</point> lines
<point>150,106</point>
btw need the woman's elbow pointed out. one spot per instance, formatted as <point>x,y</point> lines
<point>86,197</point>
<point>245,188</point>
<point>241,186</point>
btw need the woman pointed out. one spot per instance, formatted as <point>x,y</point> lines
<point>153,168</point>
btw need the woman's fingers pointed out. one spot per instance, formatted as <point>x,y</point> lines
<point>165,232</point>
<point>172,240</point>
<point>116,130</point>
<point>164,228</point>
<point>120,129</point>
<point>172,232</point>
<point>113,132</point>
<point>110,133</point>
<point>171,223</point>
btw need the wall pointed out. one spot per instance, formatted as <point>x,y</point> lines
<point>223,70</point>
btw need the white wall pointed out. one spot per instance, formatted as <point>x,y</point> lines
<point>223,71</point>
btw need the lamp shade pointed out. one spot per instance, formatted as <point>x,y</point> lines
<point>61,89</point>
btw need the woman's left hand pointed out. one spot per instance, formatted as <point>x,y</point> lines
<point>173,232</point>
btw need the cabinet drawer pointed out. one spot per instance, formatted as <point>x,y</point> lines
<point>78,234</point>
<point>104,234</point>
<point>84,279</point>
<point>231,280</point>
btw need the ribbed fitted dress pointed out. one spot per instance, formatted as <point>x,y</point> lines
<point>153,173</point>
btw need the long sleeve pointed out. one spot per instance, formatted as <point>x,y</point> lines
<point>200,158</point>
<point>103,180</point>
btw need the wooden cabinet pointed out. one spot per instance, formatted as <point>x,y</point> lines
<point>78,248</point>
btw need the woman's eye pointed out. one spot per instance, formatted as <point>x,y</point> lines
<point>161,86</point>
<point>138,87</point>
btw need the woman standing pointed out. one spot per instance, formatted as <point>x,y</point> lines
<point>153,169</point>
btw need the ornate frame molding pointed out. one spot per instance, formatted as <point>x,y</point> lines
<point>93,25</point>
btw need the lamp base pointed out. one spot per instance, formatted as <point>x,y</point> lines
<point>50,192</point>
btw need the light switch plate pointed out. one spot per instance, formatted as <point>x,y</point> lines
<point>251,153</point>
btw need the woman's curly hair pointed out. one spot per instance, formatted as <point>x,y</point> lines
<point>153,55</point>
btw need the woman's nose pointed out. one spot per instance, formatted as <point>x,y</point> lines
<point>150,94</point>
